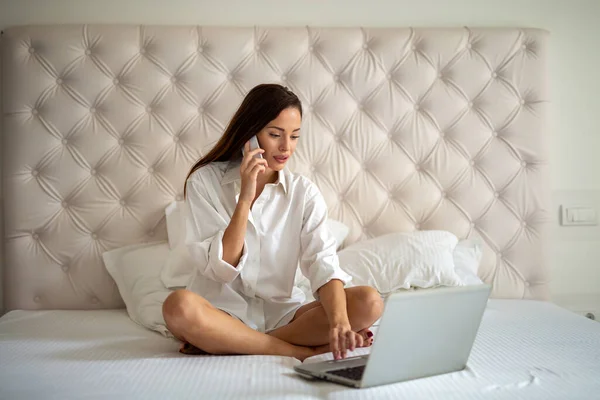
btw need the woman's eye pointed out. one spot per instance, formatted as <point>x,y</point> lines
<point>295,137</point>
<point>273,135</point>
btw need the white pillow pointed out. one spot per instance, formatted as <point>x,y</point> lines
<point>467,256</point>
<point>136,270</point>
<point>420,259</point>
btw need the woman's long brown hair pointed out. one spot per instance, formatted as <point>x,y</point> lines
<point>260,106</point>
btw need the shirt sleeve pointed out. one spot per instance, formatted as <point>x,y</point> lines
<point>319,261</point>
<point>201,251</point>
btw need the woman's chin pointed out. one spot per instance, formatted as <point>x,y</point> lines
<point>276,166</point>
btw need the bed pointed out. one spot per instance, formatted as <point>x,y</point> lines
<point>406,129</point>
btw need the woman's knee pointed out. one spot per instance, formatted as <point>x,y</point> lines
<point>180,308</point>
<point>365,302</point>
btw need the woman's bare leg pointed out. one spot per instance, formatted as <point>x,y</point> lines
<point>310,326</point>
<point>193,319</point>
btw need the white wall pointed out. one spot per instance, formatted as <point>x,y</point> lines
<point>575,57</point>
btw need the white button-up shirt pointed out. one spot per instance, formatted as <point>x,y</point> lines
<point>287,228</point>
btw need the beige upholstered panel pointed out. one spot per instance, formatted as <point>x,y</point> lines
<point>404,129</point>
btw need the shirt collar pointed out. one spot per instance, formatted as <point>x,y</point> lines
<point>232,174</point>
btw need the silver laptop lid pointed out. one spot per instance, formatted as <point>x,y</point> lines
<point>425,332</point>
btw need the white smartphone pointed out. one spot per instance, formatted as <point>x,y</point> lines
<point>253,145</point>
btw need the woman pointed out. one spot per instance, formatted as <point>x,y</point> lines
<point>249,224</point>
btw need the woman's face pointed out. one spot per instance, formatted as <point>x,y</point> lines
<point>279,138</point>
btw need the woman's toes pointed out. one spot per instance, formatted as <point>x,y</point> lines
<point>367,336</point>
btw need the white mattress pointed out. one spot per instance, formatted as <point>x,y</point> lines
<point>524,349</point>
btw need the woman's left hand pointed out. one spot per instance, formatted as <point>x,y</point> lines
<point>342,338</point>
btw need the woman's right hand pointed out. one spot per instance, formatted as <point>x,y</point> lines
<point>249,170</point>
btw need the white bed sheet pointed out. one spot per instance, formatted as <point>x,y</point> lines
<point>524,349</point>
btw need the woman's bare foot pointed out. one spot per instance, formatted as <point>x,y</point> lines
<point>367,336</point>
<point>305,352</point>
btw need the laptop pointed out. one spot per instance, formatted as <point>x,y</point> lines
<point>422,333</point>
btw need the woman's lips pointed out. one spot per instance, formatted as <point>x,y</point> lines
<point>281,159</point>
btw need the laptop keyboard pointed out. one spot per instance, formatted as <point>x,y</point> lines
<point>354,373</point>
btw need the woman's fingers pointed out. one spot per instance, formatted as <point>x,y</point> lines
<point>258,168</point>
<point>359,340</point>
<point>343,343</point>
<point>351,340</point>
<point>334,344</point>
<point>251,163</point>
<point>255,152</point>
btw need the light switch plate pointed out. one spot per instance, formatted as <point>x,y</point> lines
<point>573,215</point>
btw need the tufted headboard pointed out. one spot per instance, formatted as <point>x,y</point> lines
<point>404,129</point>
